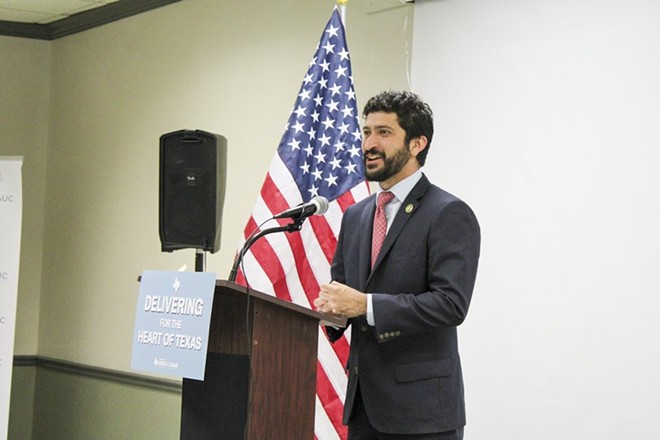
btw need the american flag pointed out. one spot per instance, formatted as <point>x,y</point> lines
<point>319,154</point>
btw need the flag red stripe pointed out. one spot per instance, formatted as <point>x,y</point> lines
<point>322,230</point>
<point>305,274</point>
<point>330,400</point>
<point>345,200</point>
<point>341,347</point>
<point>325,236</point>
<point>277,203</point>
<point>272,196</point>
<point>267,258</point>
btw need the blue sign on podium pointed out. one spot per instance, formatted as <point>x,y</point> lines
<point>172,323</point>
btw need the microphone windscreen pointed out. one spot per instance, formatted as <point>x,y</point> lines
<point>321,204</point>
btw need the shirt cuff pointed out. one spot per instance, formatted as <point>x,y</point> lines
<point>370,310</point>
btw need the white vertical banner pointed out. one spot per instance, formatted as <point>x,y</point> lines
<point>10,245</point>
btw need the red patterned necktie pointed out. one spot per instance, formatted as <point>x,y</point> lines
<point>380,224</point>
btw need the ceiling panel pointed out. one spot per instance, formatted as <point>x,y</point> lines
<point>45,11</point>
<point>52,19</point>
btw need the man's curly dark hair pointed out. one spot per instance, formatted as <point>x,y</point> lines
<point>414,115</point>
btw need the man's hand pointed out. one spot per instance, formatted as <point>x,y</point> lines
<point>340,299</point>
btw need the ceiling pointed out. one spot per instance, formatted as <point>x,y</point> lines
<point>51,19</point>
<point>45,11</point>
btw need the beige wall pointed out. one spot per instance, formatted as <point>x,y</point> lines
<point>79,407</point>
<point>115,89</point>
<point>86,112</point>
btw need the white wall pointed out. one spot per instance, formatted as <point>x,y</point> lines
<point>24,103</point>
<point>547,117</point>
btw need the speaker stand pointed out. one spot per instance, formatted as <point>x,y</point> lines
<point>200,260</point>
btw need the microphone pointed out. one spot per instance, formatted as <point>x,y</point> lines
<point>318,205</point>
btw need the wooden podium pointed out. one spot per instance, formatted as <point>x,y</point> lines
<point>260,379</point>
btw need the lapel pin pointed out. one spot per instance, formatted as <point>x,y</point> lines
<point>409,208</point>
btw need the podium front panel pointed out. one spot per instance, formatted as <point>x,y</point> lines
<point>283,363</point>
<point>260,379</point>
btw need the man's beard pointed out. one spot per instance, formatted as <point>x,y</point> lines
<point>392,165</point>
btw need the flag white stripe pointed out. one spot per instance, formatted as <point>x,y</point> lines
<point>281,177</point>
<point>323,427</point>
<point>332,367</point>
<point>280,245</point>
<point>255,275</point>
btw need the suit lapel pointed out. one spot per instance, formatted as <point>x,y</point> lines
<point>407,209</point>
<point>365,233</point>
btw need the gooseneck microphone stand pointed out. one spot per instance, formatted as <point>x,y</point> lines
<point>294,226</point>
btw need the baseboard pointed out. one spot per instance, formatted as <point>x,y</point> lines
<point>173,386</point>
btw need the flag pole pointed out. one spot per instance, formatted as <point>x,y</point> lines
<point>342,10</point>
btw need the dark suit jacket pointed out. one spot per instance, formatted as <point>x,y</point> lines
<point>408,365</point>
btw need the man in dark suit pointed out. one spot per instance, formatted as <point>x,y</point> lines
<point>406,300</point>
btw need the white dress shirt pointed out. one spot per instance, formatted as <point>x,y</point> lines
<point>400,191</point>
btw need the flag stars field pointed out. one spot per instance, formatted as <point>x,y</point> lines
<point>327,123</point>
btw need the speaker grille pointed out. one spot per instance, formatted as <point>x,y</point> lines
<point>192,188</point>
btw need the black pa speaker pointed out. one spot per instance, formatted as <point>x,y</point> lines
<point>193,165</point>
